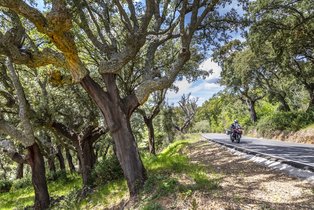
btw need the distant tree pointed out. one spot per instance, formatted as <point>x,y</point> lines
<point>240,69</point>
<point>187,109</point>
<point>149,113</point>
<point>167,122</point>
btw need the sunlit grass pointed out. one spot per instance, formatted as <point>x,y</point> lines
<point>107,195</point>
<point>17,198</point>
<point>309,127</point>
<point>23,197</point>
<point>166,170</point>
<point>164,178</point>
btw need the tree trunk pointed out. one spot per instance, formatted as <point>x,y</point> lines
<point>70,161</point>
<point>129,157</point>
<point>79,161</point>
<point>311,103</point>
<point>117,118</point>
<point>51,164</point>
<point>88,160</point>
<point>284,105</point>
<point>60,158</point>
<point>4,171</point>
<point>251,105</point>
<point>151,135</point>
<point>19,171</point>
<point>36,161</point>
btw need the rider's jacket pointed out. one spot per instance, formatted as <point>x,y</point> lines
<point>235,126</point>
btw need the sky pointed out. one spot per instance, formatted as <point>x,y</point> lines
<point>201,89</point>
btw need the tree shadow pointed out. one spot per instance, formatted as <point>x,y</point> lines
<point>245,183</point>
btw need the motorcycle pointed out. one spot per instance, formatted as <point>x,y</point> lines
<point>235,135</point>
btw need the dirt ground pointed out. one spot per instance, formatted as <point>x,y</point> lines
<point>243,184</point>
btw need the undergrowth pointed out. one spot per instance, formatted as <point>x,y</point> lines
<point>165,173</point>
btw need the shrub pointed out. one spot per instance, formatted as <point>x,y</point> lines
<point>201,127</point>
<point>21,183</point>
<point>52,176</point>
<point>284,121</point>
<point>107,170</point>
<point>5,186</point>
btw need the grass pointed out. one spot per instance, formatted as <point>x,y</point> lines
<point>17,198</point>
<point>23,197</point>
<point>165,172</point>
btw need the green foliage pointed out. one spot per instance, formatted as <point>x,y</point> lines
<point>167,122</point>
<point>22,183</point>
<point>289,121</point>
<point>221,110</point>
<point>5,185</point>
<point>107,170</point>
<point>201,127</point>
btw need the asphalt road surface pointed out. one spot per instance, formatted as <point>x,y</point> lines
<point>303,153</point>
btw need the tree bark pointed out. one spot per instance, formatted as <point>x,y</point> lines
<point>60,158</point>
<point>151,135</point>
<point>51,164</point>
<point>87,158</point>
<point>70,161</point>
<point>36,161</point>
<point>19,171</point>
<point>117,116</point>
<point>251,106</point>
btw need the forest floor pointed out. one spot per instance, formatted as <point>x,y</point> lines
<point>194,174</point>
<point>242,184</point>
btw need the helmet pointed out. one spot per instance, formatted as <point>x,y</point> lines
<point>236,121</point>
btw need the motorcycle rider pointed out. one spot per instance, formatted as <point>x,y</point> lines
<point>235,125</point>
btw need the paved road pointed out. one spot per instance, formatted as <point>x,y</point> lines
<point>303,153</point>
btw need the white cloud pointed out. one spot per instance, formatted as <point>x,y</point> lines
<point>209,64</point>
<point>202,89</point>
